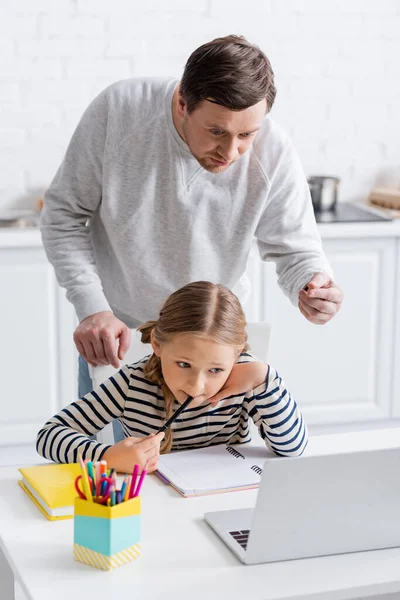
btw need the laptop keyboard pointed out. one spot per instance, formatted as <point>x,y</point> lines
<point>241,537</point>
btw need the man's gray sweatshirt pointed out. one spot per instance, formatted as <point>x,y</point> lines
<point>131,216</point>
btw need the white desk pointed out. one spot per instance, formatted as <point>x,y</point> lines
<point>182,559</point>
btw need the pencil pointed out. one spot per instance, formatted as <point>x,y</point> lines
<point>112,495</point>
<point>123,487</point>
<point>176,414</point>
<point>140,482</point>
<point>113,476</point>
<point>85,480</point>
<point>135,473</point>
<point>127,489</point>
<point>89,466</point>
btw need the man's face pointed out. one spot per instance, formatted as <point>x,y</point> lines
<point>217,136</point>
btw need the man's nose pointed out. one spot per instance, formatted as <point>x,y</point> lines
<point>229,149</point>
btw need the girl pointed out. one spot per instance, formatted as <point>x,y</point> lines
<point>199,350</point>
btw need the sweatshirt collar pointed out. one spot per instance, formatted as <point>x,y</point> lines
<point>171,87</point>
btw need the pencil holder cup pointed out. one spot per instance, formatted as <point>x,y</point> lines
<point>106,537</point>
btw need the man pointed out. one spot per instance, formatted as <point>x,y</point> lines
<point>167,182</point>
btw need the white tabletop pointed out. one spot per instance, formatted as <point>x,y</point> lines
<point>181,557</point>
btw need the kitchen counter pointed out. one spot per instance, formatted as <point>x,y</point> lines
<point>30,237</point>
<point>360,230</point>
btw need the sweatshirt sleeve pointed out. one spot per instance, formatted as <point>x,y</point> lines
<point>287,233</point>
<point>69,430</point>
<point>277,417</point>
<point>72,198</point>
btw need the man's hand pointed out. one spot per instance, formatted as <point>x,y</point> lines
<point>96,336</point>
<point>242,378</point>
<point>124,455</point>
<point>320,299</point>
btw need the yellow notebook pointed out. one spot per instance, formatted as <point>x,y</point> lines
<point>51,487</point>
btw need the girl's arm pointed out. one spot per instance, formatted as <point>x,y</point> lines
<point>247,373</point>
<point>277,416</point>
<point>60,438</point>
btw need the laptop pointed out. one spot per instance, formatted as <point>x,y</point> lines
<point>317,505</point>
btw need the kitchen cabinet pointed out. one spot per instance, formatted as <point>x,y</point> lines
<point>37,355</point>
<point>344,375</point>
<point>396,353</point>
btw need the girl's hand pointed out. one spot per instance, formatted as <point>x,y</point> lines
<point>123,455</point>
<point>243,377</point>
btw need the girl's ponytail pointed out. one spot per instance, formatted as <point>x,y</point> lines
<point>153,373</point>
<point>146,330</point>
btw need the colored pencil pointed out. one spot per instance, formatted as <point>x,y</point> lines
<point>140,483</point>
<point>85,480</point>
<point>135,473</point>
<point>112,496</point>
<point>123,487</point>
<point>89,466</point>
<point>128,488</point>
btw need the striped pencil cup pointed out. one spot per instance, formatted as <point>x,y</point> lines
<point>106,537</point>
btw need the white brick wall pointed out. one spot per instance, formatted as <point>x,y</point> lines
<point>336,64</point>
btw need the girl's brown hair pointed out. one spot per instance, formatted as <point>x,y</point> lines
<point>201,308</point>
<point>228,71</point>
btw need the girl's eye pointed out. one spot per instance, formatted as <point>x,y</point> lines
<point>216,370</point>
<point>183,365</point>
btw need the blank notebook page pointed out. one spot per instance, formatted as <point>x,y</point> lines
<point>214,468</point>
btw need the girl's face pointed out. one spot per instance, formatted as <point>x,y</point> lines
<point>195,366</point>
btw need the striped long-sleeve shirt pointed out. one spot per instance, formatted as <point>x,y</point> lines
<point>139,406</point>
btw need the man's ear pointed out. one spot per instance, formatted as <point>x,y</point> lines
<point>181,106</point>
<point>154,343</point>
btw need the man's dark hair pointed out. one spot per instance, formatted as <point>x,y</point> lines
<point>228,71</point>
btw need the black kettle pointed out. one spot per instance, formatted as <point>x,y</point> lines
<point>324,192</point>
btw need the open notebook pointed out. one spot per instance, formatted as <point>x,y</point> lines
<point>214,469</point>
